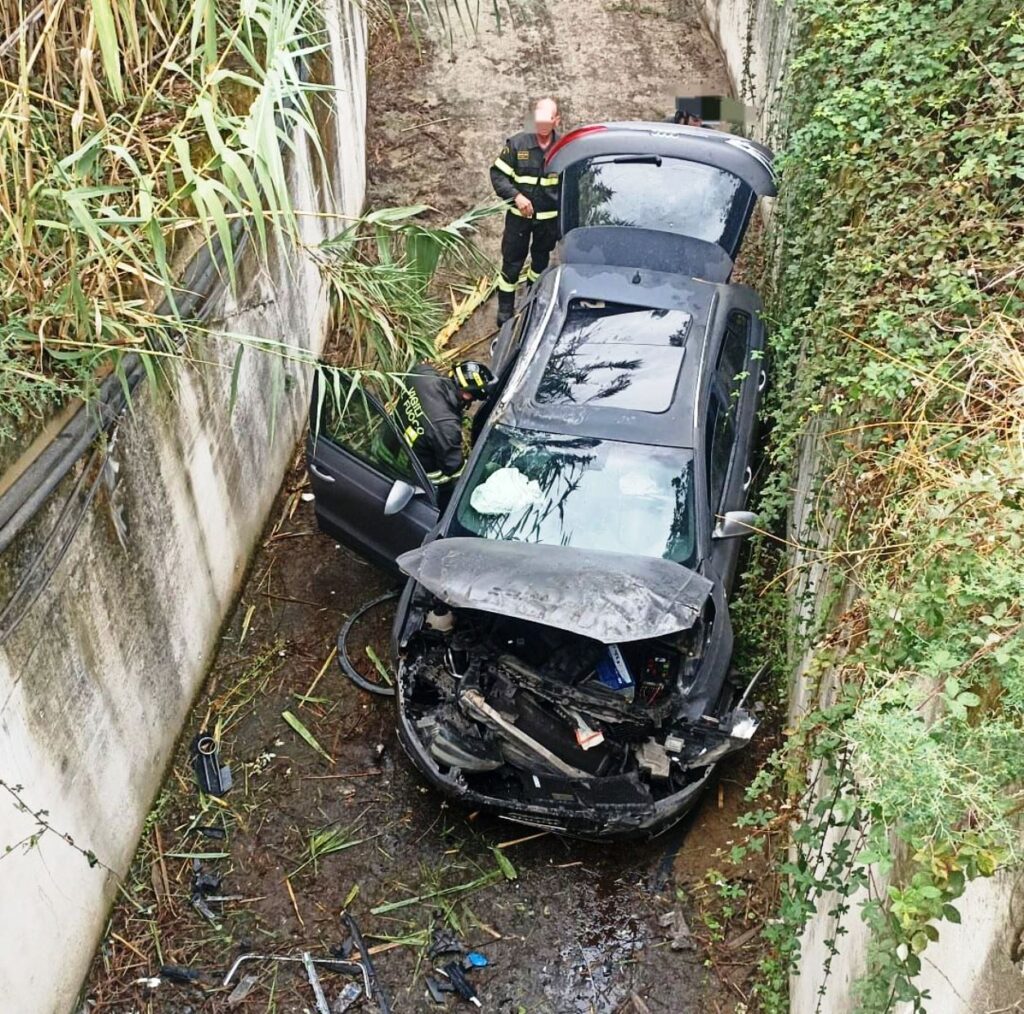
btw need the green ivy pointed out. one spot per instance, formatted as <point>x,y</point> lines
<point>896,254</point>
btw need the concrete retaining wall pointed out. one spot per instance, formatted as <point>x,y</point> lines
<point>979,964</point>
<point>97,679</point>
<point>753,36</point>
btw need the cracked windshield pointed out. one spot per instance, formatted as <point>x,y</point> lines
<point>592,494</point>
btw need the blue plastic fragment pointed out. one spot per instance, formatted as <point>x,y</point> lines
<point>477,960</point>
<point>613,672</point>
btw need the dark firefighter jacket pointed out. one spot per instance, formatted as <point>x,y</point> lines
<point>430,418</point>
<point>519,169</point>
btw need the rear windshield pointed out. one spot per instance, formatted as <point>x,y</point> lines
<point>666,194</point>
<point>577,491</point>
<point>618,357</point>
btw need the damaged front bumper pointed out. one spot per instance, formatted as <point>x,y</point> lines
<point>583,807</point>
<point>575,690</point>
<point>498,735</point>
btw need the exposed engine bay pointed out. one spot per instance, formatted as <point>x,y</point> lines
<point>541,717</point>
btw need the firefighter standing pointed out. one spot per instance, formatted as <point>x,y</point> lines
<point>518,177</point>
<point>430,414</point>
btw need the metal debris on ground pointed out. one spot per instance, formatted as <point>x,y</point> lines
<point>204,889</point>
<point>457,977</point>
<point>204,882</point>
<point>444,942</point>
<point>199,904</point>
<point>242,990</point>
<point>179,974</point>
<point>315,984</point>
<point>362,966</point>
<point>437,990</point>
<point>347,998</point>
<point>332,964</point>
<point>374,990</point>
<point>680,937</point>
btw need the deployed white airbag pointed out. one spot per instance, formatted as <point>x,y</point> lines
<point>505,491</point>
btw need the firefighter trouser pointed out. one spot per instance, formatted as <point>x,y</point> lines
<point>515,245</point>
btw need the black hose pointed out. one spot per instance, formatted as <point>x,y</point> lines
<point>343,660</point>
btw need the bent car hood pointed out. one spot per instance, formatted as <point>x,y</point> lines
<point>610,597</point>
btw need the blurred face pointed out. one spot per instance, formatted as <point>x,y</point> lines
<point>545,118</point>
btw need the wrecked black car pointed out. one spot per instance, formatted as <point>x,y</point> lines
<point>563,643</point>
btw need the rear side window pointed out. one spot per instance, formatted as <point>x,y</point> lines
<point>732,359</point>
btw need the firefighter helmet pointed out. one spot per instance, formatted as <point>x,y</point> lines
<point>474,378</point>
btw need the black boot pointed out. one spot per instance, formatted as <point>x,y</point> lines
<point>506,306</point>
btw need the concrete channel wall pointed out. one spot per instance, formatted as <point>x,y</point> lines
<point>977,965</point>
<point>96,680</point>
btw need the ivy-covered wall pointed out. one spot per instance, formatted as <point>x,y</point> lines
<point>895,267</point>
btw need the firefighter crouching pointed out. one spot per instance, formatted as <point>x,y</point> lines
<point>519,178</point>
<point>430,414</point>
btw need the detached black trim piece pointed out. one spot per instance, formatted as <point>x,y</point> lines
<point>345,663</point>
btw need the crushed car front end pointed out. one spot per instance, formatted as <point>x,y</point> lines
<point>563,688</point>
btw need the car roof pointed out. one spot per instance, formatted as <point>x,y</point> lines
<point>643,290</point>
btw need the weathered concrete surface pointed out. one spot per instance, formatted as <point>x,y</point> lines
<point>979,964</point>
<point>753,36</point>
<point>97,679</point>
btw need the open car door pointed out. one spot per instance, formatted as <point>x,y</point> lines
<point>362,471</point>
<point>688,190</point>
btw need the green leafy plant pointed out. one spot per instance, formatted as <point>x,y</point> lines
<point>327,841</point>
<point>179,127</point>
<point>384,272</point>
<point>130,133</point>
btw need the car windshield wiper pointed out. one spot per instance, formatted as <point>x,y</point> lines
<point>643,159</point>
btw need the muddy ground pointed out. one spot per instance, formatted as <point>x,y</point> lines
<point>565,926</point>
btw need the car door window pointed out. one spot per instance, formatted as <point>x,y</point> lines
<point>720,435</point>
<point>353,418</point>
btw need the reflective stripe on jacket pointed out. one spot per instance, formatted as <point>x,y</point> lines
<point>430,418</point>
<point>519,169</point>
